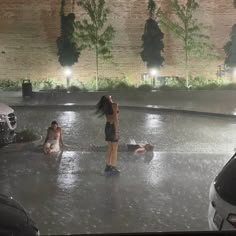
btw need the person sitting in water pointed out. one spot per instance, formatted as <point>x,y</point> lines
<point>136,148</point>
<point>53,139</point>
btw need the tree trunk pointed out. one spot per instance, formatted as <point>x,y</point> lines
<point>96,48</point>
<point>186,68</point>
<point>72,6</point>
<point>186,53</point>
<point>96,68</point>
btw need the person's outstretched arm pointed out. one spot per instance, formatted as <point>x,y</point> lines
<point>46,139</point>
<point>61,142</point>
<point>140,150</point>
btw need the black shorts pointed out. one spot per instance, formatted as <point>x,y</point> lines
<point>110,132</point>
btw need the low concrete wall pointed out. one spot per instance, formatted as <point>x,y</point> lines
<point>197,96</point>
<point>222,101</point>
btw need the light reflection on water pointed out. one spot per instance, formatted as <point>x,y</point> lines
<point>155,172</point>
<point>68,170</point>
<point>68,119</point>
<point>153,121</point>
<point>166,131</point>
<point>70,194</point>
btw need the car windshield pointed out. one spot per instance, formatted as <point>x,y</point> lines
<point>117,116</point>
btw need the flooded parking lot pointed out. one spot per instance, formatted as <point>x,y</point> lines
<point>168,132</point>
<point>167,191</point>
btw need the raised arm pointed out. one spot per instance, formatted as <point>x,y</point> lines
<point>61,142</point>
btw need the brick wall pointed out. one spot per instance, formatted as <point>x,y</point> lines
<point>29,28</point>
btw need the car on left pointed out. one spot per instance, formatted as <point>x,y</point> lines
<point>8,124</point>
<point>14,220</point>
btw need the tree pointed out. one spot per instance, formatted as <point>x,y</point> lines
<point>188,31</point>
<point>68,52</point>
<point>92,34</point>
<point>152,40</point>
<point>230,49</point>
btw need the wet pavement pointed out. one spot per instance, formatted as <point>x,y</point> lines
<point>167,131</point>
<point>70,194</point>
<point>166,191</point>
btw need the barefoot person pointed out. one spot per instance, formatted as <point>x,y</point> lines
<point>109,109</point>
<point>53,140</point>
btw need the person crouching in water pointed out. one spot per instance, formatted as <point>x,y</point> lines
<point>53,140</point>
<point>106,107</point>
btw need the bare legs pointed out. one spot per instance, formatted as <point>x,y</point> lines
<point>46,149</point>
<point>109,153</point>
<point>111,156</point>
<point>49,149</point>
<point>113,161</point>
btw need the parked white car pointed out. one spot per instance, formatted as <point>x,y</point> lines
<point>7,124</point>
<point>222,196</point>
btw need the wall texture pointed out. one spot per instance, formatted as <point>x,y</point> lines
<point>29,29</point>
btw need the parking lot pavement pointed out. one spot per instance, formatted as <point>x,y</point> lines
<point>70,194</point>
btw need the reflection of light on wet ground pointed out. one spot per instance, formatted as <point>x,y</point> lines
<point>152,121</point>
<point>69,104</point>
<point>156,170</point>
<point>234,112</point>
<point>152,106</point>
<point>167,132</point>
<point>68,170</point>
<point>68,117</point>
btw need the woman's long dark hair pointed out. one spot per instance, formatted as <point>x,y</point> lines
<point>104,106</point>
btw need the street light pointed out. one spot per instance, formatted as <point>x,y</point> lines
<point>154,73</point>
<point>67,73</point>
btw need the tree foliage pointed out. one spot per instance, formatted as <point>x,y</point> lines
<point>230,49</point>
<point>92,33</point>
<point>151,8</point>
<point>189,32</point>
<point>68,52</point>
<point>152,40</point>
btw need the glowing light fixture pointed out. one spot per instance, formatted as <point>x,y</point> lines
<point>67,72</point>
<point>153,72</point>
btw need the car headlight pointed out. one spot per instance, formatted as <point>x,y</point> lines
<point>2,118</point>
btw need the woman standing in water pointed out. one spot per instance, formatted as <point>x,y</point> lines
<point>110,110</point>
